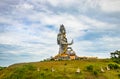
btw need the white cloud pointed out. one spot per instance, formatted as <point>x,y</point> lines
<point>111,43</point>
<point>62,3</point>
<point>25,6</point>
<point>105,5</point>
<point>85,5</point>
<point>110,5</point>
<point>97,25</point>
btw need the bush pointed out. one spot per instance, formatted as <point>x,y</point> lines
<point>90,68</point>
<point>29,67</point>
<point>117,60</point>
<point>95,72</point>
<point>65,64</point>
<point>1,68</point>
<point>113,66</point>
<point>118,75</point>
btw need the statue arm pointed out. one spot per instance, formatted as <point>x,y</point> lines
<point>70,43</point>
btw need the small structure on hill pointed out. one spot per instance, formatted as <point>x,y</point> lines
<point>52,69</point>
<point>102,70</point>
<point>78,70</point>
<point>107,68</point>
<point>65,51</point>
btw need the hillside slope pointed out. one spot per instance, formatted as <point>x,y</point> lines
<point>89,69</point>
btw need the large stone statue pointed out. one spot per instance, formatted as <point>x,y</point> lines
<point>63,43</point>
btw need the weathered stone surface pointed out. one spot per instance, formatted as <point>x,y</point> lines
<point>65,51</point>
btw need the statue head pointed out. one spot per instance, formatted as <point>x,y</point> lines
<point>62,29</point>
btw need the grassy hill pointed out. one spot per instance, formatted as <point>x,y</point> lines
<point>89,69</point>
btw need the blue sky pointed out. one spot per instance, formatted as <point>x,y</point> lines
<point>28,28</point>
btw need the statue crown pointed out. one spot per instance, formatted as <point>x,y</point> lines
<point>62,29</point>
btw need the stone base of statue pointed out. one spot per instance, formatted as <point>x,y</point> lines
<point>66,56</point>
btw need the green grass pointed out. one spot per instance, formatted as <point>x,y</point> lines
<point>90,69</point>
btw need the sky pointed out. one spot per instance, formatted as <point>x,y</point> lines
<point>29,28</point>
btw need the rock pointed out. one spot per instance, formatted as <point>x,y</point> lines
<point>107,68</point>
<point>102,70</point>
<point>52,69</point>
<point>78,70</point>
<point>38,69</point>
